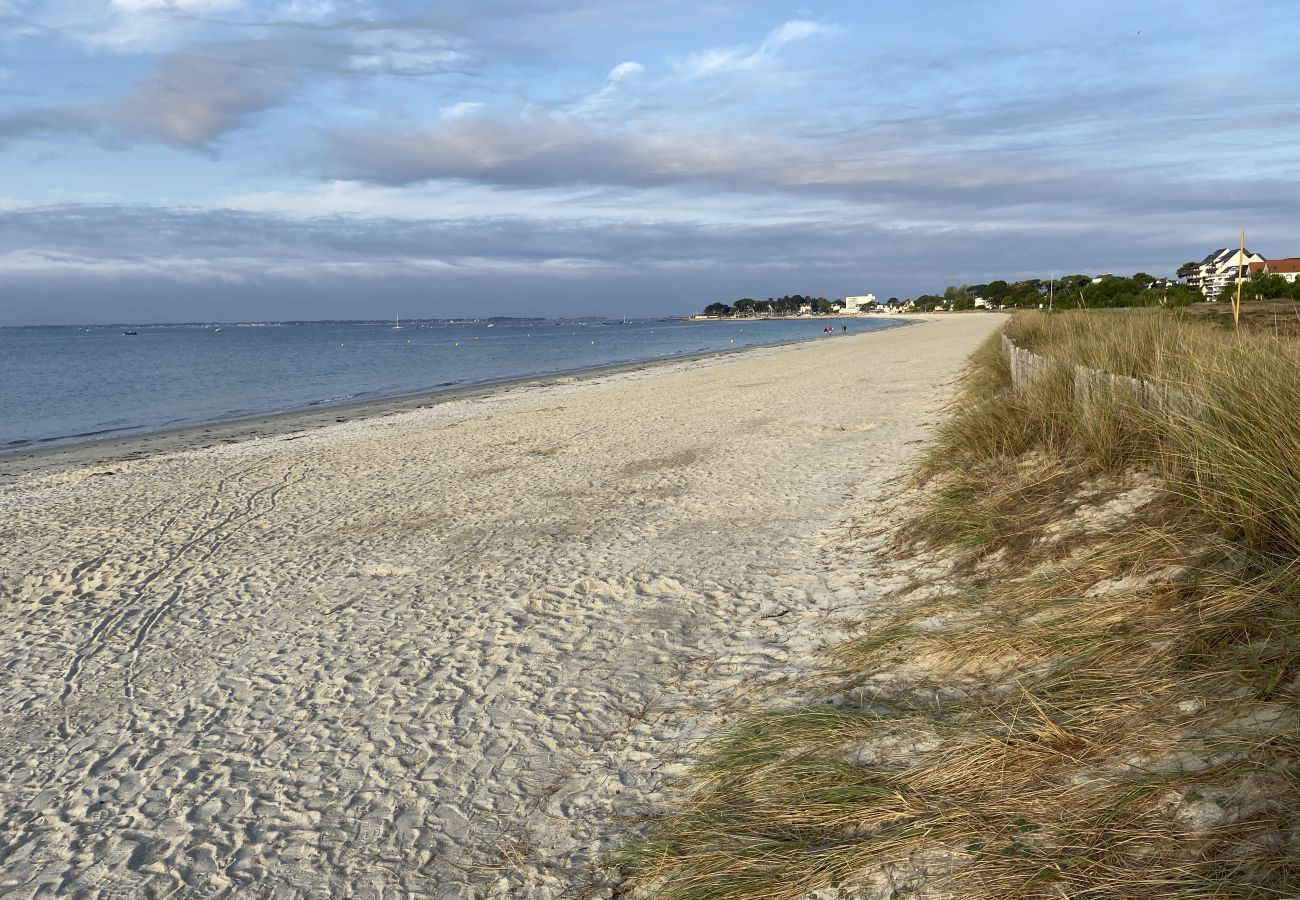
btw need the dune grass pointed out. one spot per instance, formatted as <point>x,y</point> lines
<point>1103,698</point>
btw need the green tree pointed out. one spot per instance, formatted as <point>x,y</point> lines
<point>994,291</point>
<point>959,297</point>
<point>1187,269</point>
<point>1264,287</point>
<point>720,310</point>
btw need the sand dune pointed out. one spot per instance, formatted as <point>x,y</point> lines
<point>441,653</point>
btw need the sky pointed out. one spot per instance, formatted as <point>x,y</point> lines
<point>225,160</point>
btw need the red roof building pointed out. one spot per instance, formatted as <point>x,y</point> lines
<point>1288,268</point>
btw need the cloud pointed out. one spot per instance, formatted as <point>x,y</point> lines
<point>538,151</point>
<point>167,263</point>
<point>718,60</point>
<point>197,96</point>
<point>401,52</point>
<point>794,30</point>
<point>191,100</point>
<point>197,7</point>
<point>624,70</point>
<point>593,103</point>
<point>460,110</point>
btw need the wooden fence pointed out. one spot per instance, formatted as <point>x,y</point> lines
<point>1095,385</point>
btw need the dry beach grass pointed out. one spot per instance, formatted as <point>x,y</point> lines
<point>1086,683</point>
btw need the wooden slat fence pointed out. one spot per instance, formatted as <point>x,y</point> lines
<point>1093,385</point>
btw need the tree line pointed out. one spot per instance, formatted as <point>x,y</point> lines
<point>1066,292</point>
<point>1263,287</point>
<point>775,306</point>
<point>1069,291</point>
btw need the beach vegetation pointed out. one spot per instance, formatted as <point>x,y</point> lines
<point>789,305</point>
<point>1262,286</point>
<point>1098,696</point>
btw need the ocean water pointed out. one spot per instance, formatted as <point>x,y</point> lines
<point>62,384</point>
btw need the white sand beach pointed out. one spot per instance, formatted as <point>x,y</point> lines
<point>447,652</point>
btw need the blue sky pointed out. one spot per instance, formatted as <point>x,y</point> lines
<point>232,159</point>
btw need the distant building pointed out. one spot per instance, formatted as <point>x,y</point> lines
<point>1219,269</point>
<point>805,309</point>
<point>854,305</point>
<point>1104,276</point>
<point>1288,268</point>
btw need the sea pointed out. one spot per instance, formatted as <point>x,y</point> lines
<point>67,384</point>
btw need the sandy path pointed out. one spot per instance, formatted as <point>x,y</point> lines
<point>437,654</point>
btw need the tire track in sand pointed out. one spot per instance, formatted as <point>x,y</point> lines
<point>104,629</point>
<point>251,513</point>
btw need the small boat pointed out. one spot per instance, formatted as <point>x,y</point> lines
<point>132,333</point>
<point>397,324</point>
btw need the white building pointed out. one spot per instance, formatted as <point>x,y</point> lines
<point>856,305</point>
<point>1288,268</point>
<point>1220,269</point>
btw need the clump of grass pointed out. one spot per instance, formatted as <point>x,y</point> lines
<point>1102,711</point>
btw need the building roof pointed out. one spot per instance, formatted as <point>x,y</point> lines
<point>1288,265</point>
<point>1219,259</point>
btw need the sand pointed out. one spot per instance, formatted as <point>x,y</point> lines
<point>446,652</point>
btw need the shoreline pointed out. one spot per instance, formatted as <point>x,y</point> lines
<point>460,651</point>
<point>20,461</point>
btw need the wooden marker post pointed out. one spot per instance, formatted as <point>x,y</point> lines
<point>1241,264</point>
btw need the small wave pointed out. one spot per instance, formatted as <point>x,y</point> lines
<point>81,434</point>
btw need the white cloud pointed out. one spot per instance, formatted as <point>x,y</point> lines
<point>180,6</point>
<point>460,110</point>
<point>617,75</point>
<point>624,70</point>
<point>394,52</point>
<point>794,30</point>
<point>734,59</point>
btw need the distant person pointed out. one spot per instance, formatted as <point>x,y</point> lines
<point>846,329</point>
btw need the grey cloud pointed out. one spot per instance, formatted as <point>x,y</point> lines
<point>541,152</point>
<point>141,234</point>
<point>192,99</point>
<point>43,122</point>
<point>916,168</point>
<point>198,95</point>
<point>536,265</point>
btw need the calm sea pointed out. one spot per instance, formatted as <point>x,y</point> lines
<point>61,384</point>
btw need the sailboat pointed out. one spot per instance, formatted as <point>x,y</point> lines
<point>397,324</point>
